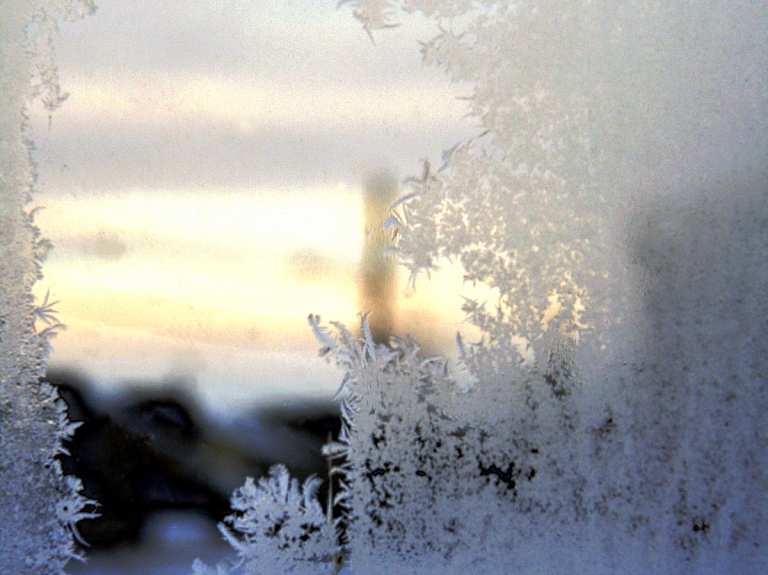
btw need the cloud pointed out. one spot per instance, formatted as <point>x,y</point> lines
<point>103,245</point>
<point>113,154</point>
<point>264,39</point>
<point>243,93</point>
<point>308,265</point>
<point>248,104</point>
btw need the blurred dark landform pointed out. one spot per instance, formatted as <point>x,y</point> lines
<point>153,449</point>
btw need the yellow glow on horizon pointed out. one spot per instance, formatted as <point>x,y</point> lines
<point>209,266</point>
<point>149,279</point>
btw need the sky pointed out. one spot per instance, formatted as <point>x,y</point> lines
<point>202,187</point>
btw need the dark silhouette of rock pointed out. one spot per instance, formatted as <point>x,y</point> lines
<point>148,452</point>
<point>134,461</point>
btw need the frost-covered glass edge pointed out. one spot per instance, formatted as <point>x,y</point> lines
<point>40,506</point>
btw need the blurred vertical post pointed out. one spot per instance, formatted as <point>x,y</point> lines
<point>378,285</point>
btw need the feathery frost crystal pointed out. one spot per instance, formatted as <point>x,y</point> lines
<point>616,211</point>
<point>277,526</point>
<point>40,506</point>
<point>610,417</point>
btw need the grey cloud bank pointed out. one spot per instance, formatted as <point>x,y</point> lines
<point>240,94</point>
<point>197,154</point>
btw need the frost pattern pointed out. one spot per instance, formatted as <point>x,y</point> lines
<point>40,506</point>
<point>277,526</point>
<point>435,481</point>
<point>649,457</point>
<point>609,419</point>
<point>631,442</point>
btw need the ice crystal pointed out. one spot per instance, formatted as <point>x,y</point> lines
<point>40,505</point>
<point>609,418</point>
<point>434,480</point>
<point>373,15</point>
<point>612,449</point>
<point>279,526</point>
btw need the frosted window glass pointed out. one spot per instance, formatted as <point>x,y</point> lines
<point>599,410</point>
